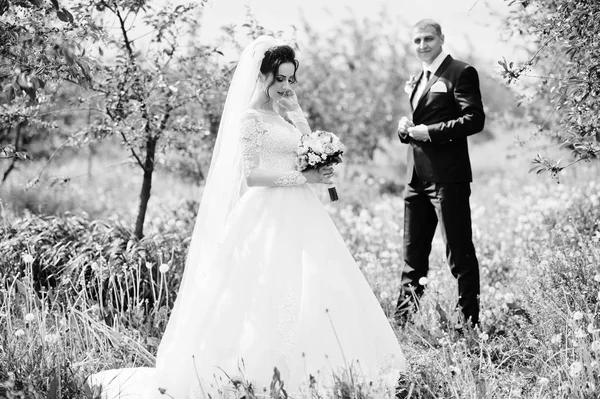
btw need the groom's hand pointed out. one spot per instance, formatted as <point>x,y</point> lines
<point>419,133</point>
<point>403,124</point>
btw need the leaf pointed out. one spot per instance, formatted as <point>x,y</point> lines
<point>9,91</point>
<point>55,4</point>
<point>53,391</point>
<point>22,155</point>
<point>100,51</point>
<point>179,8</point>
<point>62,16</point>
<point>4,4</point>
<point>68,15</point>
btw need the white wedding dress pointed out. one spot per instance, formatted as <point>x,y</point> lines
<point>283,292</point>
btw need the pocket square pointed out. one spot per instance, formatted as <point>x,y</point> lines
<point>439,87</point>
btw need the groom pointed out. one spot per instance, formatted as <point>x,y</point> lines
<point>447,107</point>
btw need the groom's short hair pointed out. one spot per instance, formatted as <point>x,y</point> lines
<point>425,23</point>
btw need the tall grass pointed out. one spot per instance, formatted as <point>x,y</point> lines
<point>78,294</point>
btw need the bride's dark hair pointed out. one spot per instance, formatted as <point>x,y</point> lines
<point>274,57</point>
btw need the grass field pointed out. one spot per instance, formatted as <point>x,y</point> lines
<point>77,295</point>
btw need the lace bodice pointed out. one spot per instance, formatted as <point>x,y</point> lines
<point>269,145</point>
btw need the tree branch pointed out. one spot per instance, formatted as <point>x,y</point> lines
<point>124,31</point>
<point>137,158</point>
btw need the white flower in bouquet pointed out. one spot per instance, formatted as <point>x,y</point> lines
<point>302,162</point>
<point>302,150</point>
<point>313,159</point>
<point>328,148</point>
<point>317,146</point>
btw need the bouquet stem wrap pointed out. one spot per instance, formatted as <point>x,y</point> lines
<point>333,195</point>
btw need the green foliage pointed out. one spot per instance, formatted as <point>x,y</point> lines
<point>152,100</point>
<point>41,49</point>
<point>566,34</point>
<point>538,246</point>
<point>352,81</point>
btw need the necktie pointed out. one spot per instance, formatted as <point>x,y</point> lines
<point>420,89</point>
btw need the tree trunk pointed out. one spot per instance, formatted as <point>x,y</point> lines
<point>146,186</point>
<point>17,145</point>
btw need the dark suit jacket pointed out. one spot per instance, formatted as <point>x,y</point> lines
<point>450,117</point>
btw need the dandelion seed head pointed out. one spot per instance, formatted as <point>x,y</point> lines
<point>580,333</point>
<point>577,315</point>
<point>27,258</point>
<point>51,338</point>
<point>164,268</point>
<point>29,317</point>
<point>575,369</point>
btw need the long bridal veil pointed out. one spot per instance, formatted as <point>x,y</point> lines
<point>222,191</point>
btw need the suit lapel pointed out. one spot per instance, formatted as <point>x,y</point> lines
<point>414,90</point>
<point>434,79</point>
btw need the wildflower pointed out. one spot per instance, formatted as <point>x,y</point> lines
<point>29,317</point>
<point>576,368</point>
<point>149,265</point>
<point>95,266</point>
<point>597,278</point>
<point>27,258</point>
<point>580,333</point>
<point>591,329</point>
<point>556,339</point>
<point>544,381</point>
<point>577,315</point>
<point>484,337</point>
<point>164,268</point>
<point>423,281</point>
<point>51,338</point>
<point>595,346</point>
<point>19,333</point>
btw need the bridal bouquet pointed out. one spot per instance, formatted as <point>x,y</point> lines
<point>319,149</point>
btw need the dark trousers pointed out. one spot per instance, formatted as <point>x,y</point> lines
<point>426,203</point>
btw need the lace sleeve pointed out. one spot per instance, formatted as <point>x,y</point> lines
<point>251,142</point>
<point>299,120</point>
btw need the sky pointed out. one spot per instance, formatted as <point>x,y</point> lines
<point>479,20</point>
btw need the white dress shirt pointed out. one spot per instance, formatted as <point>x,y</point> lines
<point>437,62</point>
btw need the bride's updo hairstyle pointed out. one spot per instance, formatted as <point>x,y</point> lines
<point>274,57</point>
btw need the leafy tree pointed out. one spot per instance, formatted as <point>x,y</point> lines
<point>152,100</point>
<point>568,59</point>
<point>355,80</point>
<point>41,49</point>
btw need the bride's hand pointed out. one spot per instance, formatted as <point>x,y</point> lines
<point>290,101</point>
<point>322,175</point>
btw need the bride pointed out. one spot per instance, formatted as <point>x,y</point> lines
<point>269,282</point>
